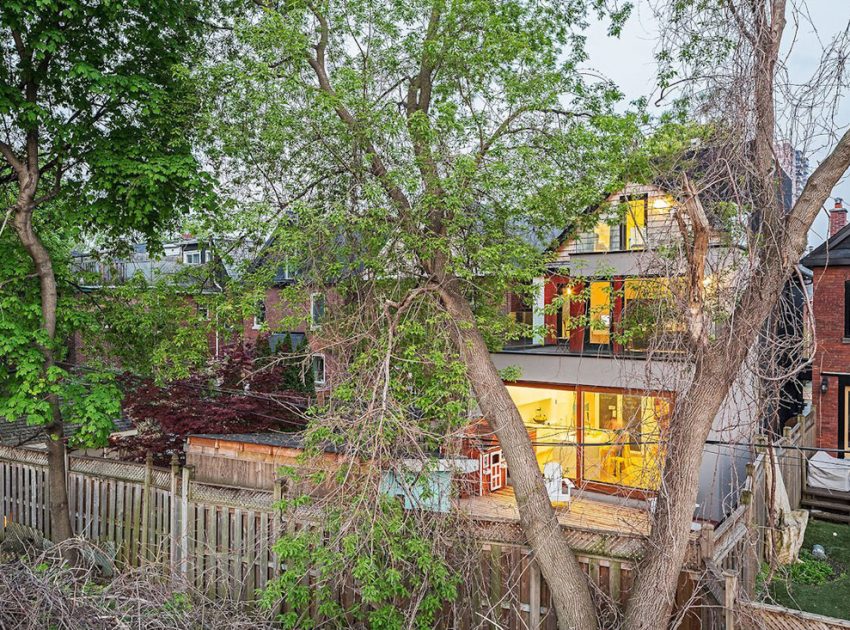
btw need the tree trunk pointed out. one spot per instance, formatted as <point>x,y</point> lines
<point>567,582</point>
<point>60,517</point>
<point>651,601</point>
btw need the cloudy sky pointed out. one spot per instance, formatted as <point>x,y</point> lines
<point>629,62</point>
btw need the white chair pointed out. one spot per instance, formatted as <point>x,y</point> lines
<point>555,481</point>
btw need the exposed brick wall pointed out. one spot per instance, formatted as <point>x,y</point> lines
<point>276,311</point>
<point>833,354</point>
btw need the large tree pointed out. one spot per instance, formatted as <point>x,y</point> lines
<point>725,60</point>
<point>96,143</point>
<point>420,153</point>
<point>431,147</point>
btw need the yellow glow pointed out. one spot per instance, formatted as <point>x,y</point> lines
<point>600,312</point>
<point>635,223</point>
<point>603,237</point>
<point>662,203</point>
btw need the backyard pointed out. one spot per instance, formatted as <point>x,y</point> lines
<point>818,586</point>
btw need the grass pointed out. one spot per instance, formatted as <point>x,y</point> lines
<point>817,586</point>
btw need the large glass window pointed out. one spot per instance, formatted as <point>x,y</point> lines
<point>564,323</point>
<point>549,416</point>
<point>620,438</point>
<point>628,431</point>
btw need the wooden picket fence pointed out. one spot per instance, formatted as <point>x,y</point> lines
<point>220,539</point>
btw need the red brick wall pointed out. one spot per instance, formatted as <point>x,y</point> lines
<point>276,310</point>
<point>833,354</point>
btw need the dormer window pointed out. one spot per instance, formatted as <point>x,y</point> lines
<point>624,229</point>
<point>192,257</point>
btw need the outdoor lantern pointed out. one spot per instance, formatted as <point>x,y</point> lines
<point>824,384</point>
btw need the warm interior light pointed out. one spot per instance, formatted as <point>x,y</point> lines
<point>660,203</point>
<point>569,290</point>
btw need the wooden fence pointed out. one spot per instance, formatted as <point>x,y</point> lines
<point>734,551</point>
<point>220,539</point>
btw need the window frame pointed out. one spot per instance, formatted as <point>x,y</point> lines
<point>315,321</point>
<point>847,309</point>
<point>588,314</point>
<point>187,253</point>
<point>259,315</point>
<point>316,379</point>
<point>625,245</point>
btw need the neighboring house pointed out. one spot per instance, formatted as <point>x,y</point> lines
<point>188,260</point>
<point>279,318</point>
<point>587,383</point>
<point>179,256</point>
<point>185,261</point>
<point>830,265</point>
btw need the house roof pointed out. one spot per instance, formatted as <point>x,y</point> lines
<point>19,432</point>
<point>834,251</point>
<point>279,439</point>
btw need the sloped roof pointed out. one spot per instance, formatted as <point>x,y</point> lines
<point>19,432</point>
<point>834,251</point>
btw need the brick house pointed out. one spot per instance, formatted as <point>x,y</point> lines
<point>830,265</point>
<point>278,317</point>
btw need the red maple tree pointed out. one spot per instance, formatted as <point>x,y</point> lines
<point>243,392</point>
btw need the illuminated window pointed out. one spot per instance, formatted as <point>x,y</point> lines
<point>599,314</point>
<point>649,313</point>
<point>621,434</point>
<point>563,316</point>
<point>635,224</point>
<point>549,416</point>
<point>628,430</point>
<point>602,242</point>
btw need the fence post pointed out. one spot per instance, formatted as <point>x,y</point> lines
<point>706,541</point>
<point>172,523</point>
<point>146,507</point>
<point>184,525</point>
<point>277,517</point>
<point>731,579</point>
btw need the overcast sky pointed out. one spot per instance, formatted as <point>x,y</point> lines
<point>629,62</point>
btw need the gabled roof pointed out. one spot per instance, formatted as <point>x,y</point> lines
<point>834,251</point>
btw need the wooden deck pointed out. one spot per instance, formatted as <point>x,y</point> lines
<point>583,512</point>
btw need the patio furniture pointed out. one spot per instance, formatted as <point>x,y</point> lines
<point>555,482</point>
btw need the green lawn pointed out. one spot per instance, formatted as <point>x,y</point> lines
<point>811,586</point>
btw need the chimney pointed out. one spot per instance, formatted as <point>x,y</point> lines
<point>838,217</point>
